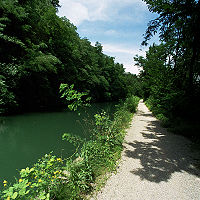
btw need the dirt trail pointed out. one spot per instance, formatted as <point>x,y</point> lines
<point>155,164</point>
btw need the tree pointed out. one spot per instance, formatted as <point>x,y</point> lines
<point>46,50</point>
<point>157,77</point>
<point>178,25</point>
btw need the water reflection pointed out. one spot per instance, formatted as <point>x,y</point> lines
<point>25,138</point>
<point>2,125</point>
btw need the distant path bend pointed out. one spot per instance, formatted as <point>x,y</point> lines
<point>155,164</point>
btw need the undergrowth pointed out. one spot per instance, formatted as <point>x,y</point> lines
<point>100,153</point>
<point>179,125</point>
<point>77,176</point>
<point>184,126</point>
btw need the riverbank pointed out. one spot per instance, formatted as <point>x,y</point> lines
<point>46,180</point>
<point>155,164</point>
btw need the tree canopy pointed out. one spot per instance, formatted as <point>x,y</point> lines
<point>171,71</point>
<point>179,26</point>
<point>39,51</point>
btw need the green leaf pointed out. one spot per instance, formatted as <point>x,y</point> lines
<point>22,192</point>
<point>48,196</point>
<point>42,196</point>
<point>14,196</point>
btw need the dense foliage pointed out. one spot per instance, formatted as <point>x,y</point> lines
<point>78,175</point>
<point>39,51</point>
<point>171,71</point>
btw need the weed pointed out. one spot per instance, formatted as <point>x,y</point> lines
<point>75,177</point>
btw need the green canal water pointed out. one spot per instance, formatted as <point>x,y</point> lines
<point>26,138</point>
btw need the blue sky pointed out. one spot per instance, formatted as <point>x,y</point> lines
<point>117,24</point>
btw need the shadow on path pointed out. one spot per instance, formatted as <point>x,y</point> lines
<point>161,154</point>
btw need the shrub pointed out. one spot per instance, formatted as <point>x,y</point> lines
<point>164,120</point>
<point>101,152</point>
<point>39,182</point>
<point>131,104</point>
<point>54,178</point>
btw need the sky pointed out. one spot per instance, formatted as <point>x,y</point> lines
<point>118,25</point>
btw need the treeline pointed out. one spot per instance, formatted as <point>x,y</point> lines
<point>171,71</point>
<point>39,51</point>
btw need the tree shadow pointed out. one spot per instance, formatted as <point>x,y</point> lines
<point>144,114</point>
<point>161,154</point>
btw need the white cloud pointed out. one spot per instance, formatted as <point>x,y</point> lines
<point>111,32</point>
<point>130,67</point>
<point>74,11</point>
<point>78,11</point>
<point>124,55</point>
<point>114,12</point>
<point>92,10</point>
<point>116,49</point>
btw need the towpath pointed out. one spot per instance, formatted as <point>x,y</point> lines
<point>155,164</point>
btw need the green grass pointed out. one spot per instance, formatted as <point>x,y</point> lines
<point>85,171</point>
<point>99,156</point>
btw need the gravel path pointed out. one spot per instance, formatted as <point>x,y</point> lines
<point>155,165</point>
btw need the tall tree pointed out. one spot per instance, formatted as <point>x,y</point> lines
<point>178,25</point>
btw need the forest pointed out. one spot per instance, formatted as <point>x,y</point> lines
<point>42,54</point>
<point>170,72</point>
<point>40,50</point>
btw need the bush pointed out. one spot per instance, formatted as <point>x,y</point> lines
<point>101,152</point>
<point>52,178</point>
<point>131,104</point>
<point>7,98</point>
<point>164,120</point>
<point>39,182</point>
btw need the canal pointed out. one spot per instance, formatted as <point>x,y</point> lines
<point>26,138</point>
